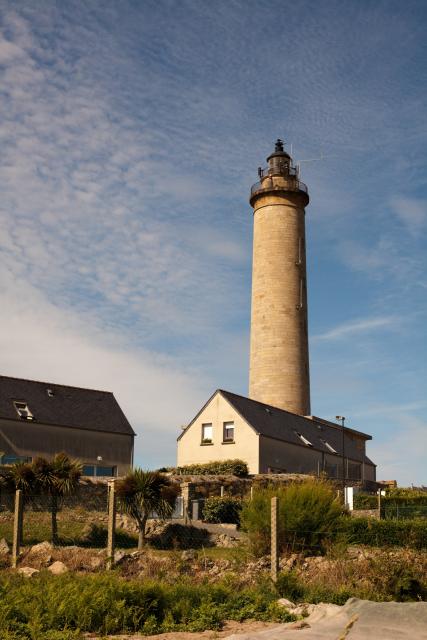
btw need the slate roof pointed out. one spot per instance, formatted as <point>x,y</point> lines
<point>282,425</point>
<point>75,407</point>
<point>273,422</point>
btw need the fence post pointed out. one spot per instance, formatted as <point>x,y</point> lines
<point>274,538</point>
<point>379,504</point>
<point>111,538</point>
<point>17,528</point>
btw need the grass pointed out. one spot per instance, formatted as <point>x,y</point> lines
<point>107,604</point>
<point>75,527</point>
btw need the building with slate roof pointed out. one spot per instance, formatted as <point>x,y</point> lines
<point>272,440</point>
<point>272,430</point>
<point>43,418</point>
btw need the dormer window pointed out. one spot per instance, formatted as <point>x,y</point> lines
<point>50,393</point>
<point>329,447</point>
<point>22,410</point>
<point>303,439</point>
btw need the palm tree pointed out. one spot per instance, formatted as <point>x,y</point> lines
<point>141,493</point>
<point>56,478</point>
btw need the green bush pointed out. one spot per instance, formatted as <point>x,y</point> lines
<point>226,509</point>
<point>308,515</point>
<point>383,533</point>
<point>290,585</point>
<point>235,467</point>
<point>365,501</point>
<point>397,503</point>
<point>62,607</point>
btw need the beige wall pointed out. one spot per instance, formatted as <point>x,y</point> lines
<point>279,366</point>
<point>218,411</point>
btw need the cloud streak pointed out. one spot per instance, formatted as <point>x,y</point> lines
<point>364,325</point>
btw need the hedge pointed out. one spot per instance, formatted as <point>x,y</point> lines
<point>235,467</point>
<point>383,533</point>
<point>218,510</point>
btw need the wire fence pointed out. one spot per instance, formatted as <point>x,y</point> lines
<point>32,525</point>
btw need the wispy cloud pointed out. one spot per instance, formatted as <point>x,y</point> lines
<point>412,212</point>
<point>365,325</point>
<point>129,141</point>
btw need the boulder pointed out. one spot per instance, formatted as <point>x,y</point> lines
<point>42,548</point>
<point>284,602</point>
<point>96,563</point>
<point>4,547</point>
<point>119,556</point>
<point>57,568</point>
<point>28,572</point>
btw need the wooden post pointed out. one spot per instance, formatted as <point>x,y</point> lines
<point>17,528</point>
<point>222,491</point>
<point>379,504</point>
<point>111,539</point>
<point>252,491</point>
<point>274,538</point>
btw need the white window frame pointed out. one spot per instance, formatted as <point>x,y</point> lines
<point>229,424</point>
<point>22,409</point>
<point>206,428</point>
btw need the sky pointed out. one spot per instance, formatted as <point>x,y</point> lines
<point>130,135</point>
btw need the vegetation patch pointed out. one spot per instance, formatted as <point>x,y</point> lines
<point>108,604</point>
<point>383,533</point>
<point>309,513</point>
<point>218,510</point>
<point>235,467</point>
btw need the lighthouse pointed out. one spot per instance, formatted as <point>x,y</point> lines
<point>279,362</point>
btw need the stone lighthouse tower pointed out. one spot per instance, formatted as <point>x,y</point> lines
<point>279,366</point>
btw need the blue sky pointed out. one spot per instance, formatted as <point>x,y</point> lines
<point>130,135</point>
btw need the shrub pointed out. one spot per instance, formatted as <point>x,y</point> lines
<point>235,467</point>
<point>217,510</point>
<point>384,533</point>
<point>308,515</point>
<point>179,536</point>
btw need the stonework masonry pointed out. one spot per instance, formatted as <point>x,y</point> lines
<point>279,362</point>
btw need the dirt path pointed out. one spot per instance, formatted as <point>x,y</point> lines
<point>229,628</point>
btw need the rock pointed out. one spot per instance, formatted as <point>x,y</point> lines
<point>284,602</point>
<point>28,572</point>
<point>119,556</point>
<point>4,547</point>
<point>42,548</point>
<point>96,563</point>
<point>188,554</point>
<point>57,568</point>
<point>224,540</point>
<point>304,609</point>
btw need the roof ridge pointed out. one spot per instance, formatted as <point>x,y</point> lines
<point>54,384</point>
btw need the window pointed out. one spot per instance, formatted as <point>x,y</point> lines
<point>11,458</point>
<point>329,447</point>
<point>303,439</point>
<point>22,410</point>
<point>207,433</point>
<point>228,431</point>
<point>105,471</point>
<point>50,393</point>
<point>99,472</point>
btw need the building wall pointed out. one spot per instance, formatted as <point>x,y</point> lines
<point>279,365</point>
<point>279,456</point>
<point>24,438</point>
<point>218,411</point>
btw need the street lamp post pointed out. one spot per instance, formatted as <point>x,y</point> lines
<point>342,419</point>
